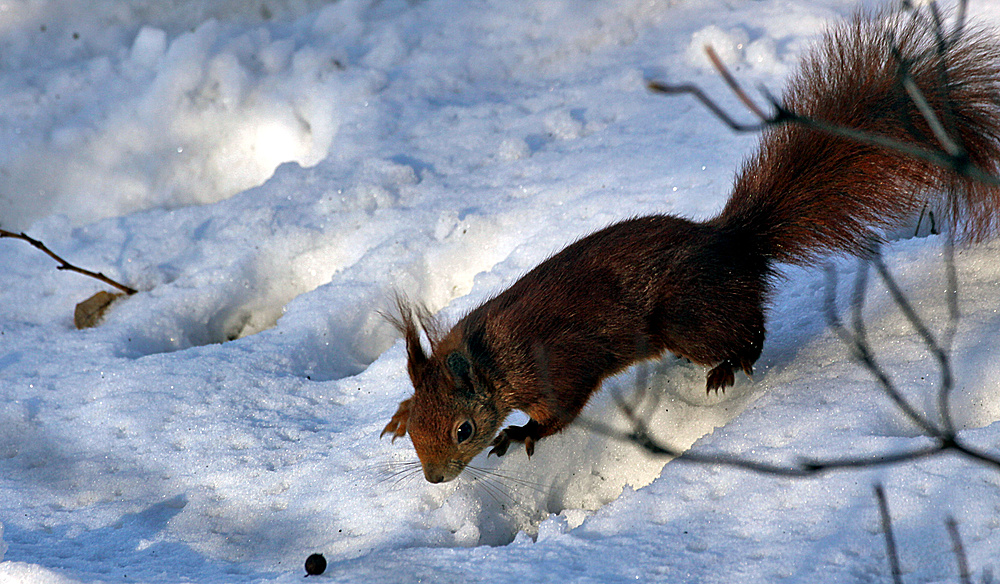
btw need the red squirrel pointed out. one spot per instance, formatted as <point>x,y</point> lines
<point>699,289</point>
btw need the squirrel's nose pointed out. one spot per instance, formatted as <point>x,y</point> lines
<point>434,477</point>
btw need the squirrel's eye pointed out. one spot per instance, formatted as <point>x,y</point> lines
<point>464,432</point>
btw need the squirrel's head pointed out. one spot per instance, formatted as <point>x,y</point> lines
<point>453,414</point>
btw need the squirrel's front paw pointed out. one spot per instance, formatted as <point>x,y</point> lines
<point>500,444</point>
<point>400,420</point>
<point>510,434</point>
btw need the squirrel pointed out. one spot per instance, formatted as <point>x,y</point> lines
<point>647,285</point>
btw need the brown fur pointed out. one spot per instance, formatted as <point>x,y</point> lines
<point>648,285</point>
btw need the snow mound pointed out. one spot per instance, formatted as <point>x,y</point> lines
<point>176,119</point>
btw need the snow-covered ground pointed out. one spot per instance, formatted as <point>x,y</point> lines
<point>267,173</point>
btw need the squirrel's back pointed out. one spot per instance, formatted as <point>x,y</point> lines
<point>806,192</point>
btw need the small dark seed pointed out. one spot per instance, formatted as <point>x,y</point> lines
<point>315,565</point>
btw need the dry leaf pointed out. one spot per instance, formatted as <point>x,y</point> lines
<point>89,312</point>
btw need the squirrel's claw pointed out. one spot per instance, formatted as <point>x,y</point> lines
<point>397,425</point>
<point>720,377</point>
<point>525,434</point>
<point>500,444</point>
<point>723,375</point>
<point>529,446</point>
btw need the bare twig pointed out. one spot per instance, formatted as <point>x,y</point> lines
<point>935,349</point>
<point>937,23</point>
<point>959,21</point>
<point>64,265</point>
<point>949,145</point>
<point>707,102</point>
<point>785,116</point>
<point>731,82</point>
<point>861,350</point>
<point>640,435</point>
<point>943,438</point>
<point>952,156</point>
<point>892,554</point>
<point>959,549</point>
<point>951,291</point>
<point>890,540</point>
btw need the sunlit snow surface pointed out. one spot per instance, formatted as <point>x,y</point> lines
<point>269,173</point>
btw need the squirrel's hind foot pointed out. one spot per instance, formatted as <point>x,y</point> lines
<point>722,375</point>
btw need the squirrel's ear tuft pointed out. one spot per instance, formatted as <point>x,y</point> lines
<point>416,358</point>
<point>410,320</point>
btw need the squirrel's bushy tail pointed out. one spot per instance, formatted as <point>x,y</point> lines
<point>807,192</point>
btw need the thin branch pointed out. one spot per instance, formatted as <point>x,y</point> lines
<point>944,40</point>
<point>707,102</point>
<point>937,26</point>
<point>805,467</point>
<point>960,12</point>
<point>944,362</point>
<point>949,139</point>
<point>64,265</point>
<point>861,352</point>
<point>959,549</point>
<point>944,441</point>
<point>951,292</point>
<point>975,454</point>
<point>953,157</point>
<point>959,165</point>
<point>786,116</point>
<point>733,85</point>
<point>948,144</point>
<point>811,467</point>
<point>890,540</point>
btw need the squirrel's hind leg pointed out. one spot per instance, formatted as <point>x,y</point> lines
<point>722,375</point>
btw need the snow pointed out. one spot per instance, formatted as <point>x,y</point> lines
<point>268,174</point>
